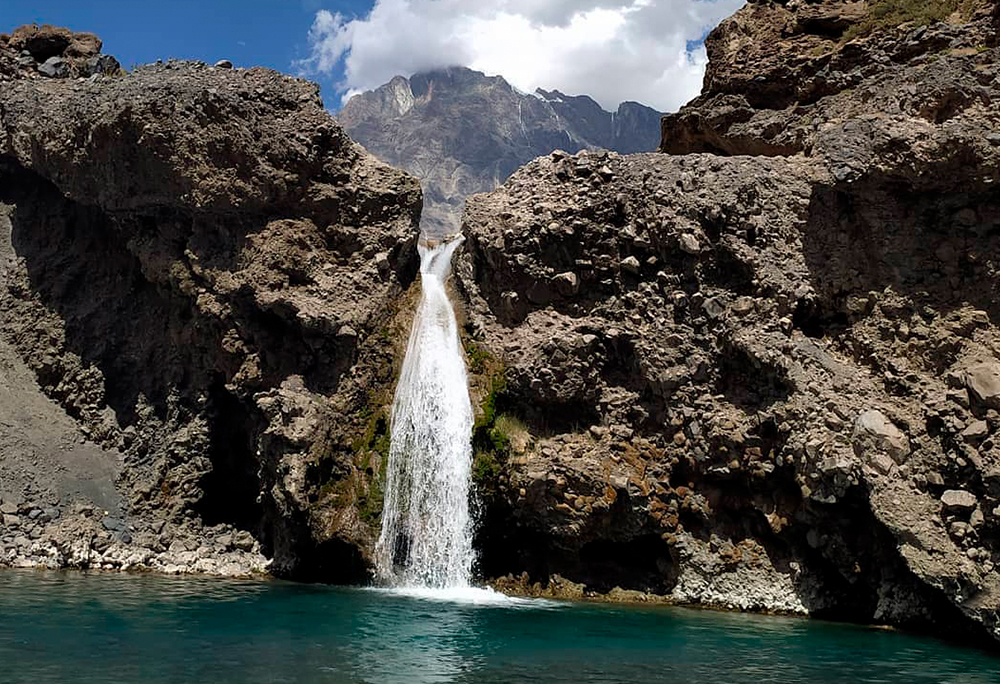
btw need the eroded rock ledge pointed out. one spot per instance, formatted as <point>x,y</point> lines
<point>198,273</point>
<point>764,382</point>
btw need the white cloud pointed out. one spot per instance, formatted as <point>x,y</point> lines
<point>612,50</point>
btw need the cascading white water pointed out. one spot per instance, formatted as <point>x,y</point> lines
<point>426,538</point>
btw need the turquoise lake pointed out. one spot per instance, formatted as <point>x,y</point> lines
<point>71,627</point>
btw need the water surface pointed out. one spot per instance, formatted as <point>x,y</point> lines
<point>71,627</point>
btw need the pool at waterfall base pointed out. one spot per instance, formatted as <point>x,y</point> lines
<point>73,628</point>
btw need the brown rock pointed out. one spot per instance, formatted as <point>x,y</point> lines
<point>233,224</point>
<point>874,432</point>
<point>983,381</point>
<point>958,499</point>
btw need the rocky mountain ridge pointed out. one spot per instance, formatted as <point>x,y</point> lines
<point>461,132</point>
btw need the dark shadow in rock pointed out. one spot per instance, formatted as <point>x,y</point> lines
<point>231,489</point>
<point>928,245</point>
<point>748,383</point>
<point>850,570</point>
<point>330,562</point>
<point>551,418</point>
<point>144,339</point>
<point>644,563</point>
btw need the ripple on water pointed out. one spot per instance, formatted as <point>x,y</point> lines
<point>84,629</point>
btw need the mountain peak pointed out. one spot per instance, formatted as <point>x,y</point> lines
<point>461,131</point>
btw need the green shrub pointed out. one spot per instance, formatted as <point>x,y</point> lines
<point>890,13</point>
<point>478,357</point>
<point>493,439</point>
<point>372,499</point>
<point>372,446</point>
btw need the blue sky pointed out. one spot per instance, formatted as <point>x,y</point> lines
<point>613,50</point>
<point>270,33</point>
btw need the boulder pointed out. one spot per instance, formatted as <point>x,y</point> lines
<point>983,381</point>
<point>631,265</point>
<point>102,64</point>
<point>873,432</point>
<point>567,283</point>
<point>54,67</point>
<point>976,431</point>
<point>689,243</point>
<point>958,500</point>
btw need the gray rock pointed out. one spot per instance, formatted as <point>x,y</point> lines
<point>630,264</point>
<point>874,432</point>
<point>224,64</point>
<point>976,431</point>
<point>881,462</point>
<point>689,243</point>
<point>54,67</point>
<point>713,308</point>
<point>243,540</point>
<point>743,306</point>
<point>8,507</point>
<point>983,381</point>
<point>958,499</point>
<point>112,524</point>
<point>102,64</point>
<point>567,283</point>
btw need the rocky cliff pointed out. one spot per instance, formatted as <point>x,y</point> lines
<point>462,132</point>
<point>199,272</point>
<point>760,369</point>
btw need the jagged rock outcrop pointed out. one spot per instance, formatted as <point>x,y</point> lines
<point>198,274</point>
<point>768,381</point>
<point>51,51</point>
<point>801,77</point>
<point>462,132</point>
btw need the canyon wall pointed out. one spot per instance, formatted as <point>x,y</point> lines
<point>756,370</point>
<point>199,273</point>
<point>760,369</point>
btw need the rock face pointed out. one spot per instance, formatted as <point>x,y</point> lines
<point>53,52</point>
<point>198,277</point>
<point>461,132</point>
<point>771,385</point>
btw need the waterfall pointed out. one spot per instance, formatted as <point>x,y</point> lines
<point>426,538</point>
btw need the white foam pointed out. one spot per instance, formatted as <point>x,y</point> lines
<point>476,596</point>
